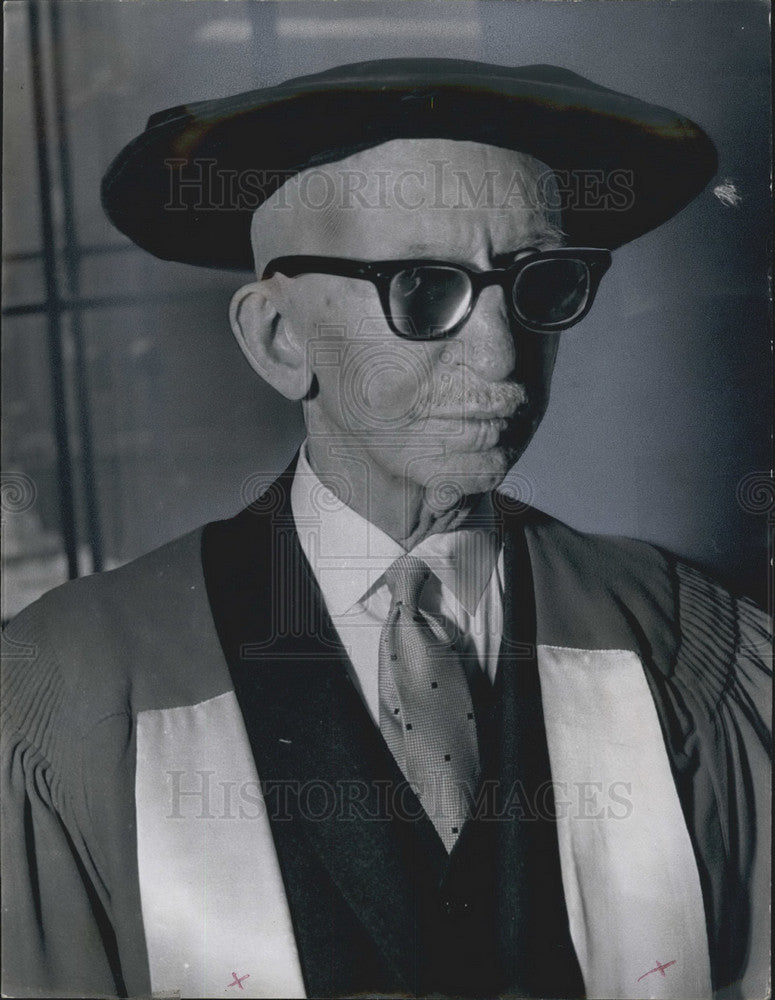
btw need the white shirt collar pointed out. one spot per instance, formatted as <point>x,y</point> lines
<point>349,555</point>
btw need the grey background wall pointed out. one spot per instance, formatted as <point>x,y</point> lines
<point>661,400</point>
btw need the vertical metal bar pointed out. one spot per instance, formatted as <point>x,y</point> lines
<point>72,272</point>
<point>56,361</point>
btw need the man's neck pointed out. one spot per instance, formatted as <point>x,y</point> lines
<point>400,508</point>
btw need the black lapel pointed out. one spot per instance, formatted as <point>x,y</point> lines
<point>321,760</point>
<point>533,921</point>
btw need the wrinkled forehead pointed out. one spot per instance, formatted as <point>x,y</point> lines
<point>411,197</point>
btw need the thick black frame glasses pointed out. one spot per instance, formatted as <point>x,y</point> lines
<point>547,291</point>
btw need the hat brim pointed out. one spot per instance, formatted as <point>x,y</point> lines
<point>186,188</point>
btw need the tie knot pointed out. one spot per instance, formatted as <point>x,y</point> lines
<point>406,578</point>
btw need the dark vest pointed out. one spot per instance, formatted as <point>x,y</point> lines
<point>378,906</point>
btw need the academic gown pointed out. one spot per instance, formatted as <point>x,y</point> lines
<point>139,854</point>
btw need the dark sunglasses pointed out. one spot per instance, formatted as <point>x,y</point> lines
<point>546,290</point>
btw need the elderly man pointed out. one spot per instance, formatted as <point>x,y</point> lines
<point>389,731</point>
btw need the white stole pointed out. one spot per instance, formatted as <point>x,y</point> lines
<point>631,883</point>
<point>214,906</point>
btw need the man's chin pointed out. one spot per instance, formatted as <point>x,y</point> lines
<point>450,478</point>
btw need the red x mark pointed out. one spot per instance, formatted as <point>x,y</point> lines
<point>237,981</point>
<point>659,968</point>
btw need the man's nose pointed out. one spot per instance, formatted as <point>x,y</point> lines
<point>487,338</point>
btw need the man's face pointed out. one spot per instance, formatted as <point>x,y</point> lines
<point>449,416</point>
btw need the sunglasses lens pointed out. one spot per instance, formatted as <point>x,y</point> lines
<point>551,294</point>
<point>426,302</point>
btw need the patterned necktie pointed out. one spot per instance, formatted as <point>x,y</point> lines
<point>426,714</point>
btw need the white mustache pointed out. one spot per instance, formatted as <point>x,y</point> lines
<point>500,399</point>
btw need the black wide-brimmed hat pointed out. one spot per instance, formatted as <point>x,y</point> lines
<point>186,188</point>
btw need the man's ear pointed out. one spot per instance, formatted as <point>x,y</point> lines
<point>266,342</point>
